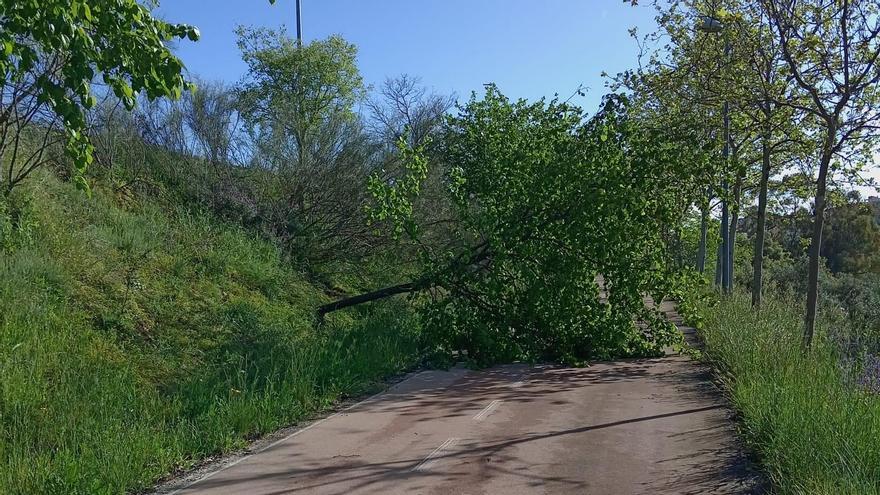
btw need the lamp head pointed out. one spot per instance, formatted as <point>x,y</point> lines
<point>709,24</point>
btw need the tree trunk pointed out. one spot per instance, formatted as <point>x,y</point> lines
<point>816,244</point>
<point>372,296</point>
<point>704,227</point>
<point>734,219</point>
<point>679,255</point>
<point>758,260</point>
<point>718,264</point>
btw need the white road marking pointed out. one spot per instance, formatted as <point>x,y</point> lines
<point>429,461</point>
<point>487,410</point>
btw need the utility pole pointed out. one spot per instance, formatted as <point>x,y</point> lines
<point>726,241</point>
<point>299,32</point>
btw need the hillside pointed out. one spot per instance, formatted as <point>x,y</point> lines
<point>136,339</point>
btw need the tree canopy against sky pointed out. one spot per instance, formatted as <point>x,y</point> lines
<point>51,54</point>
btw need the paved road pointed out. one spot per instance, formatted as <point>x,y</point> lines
<point>652,426</point>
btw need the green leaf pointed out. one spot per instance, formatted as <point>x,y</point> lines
<point>82,185</point>
<point>120,39</point>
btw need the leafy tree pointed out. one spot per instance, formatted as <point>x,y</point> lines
<point>295,93</point>
<point>52,51</point>
<point>311,152</point>
<point>831,49</point>
<point>772,123</point>
<point>757,95</point>
<point>696,78</point>
<point>544,202</point>
<point>851,240</point>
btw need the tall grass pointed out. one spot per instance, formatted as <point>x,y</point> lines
<point>135,341</point>
<point>813,430</point>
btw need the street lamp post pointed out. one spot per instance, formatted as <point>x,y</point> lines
<point>299,34</point>
<point>714,26</point>
<point>727,242</point>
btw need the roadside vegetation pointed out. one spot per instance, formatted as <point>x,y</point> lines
<point>135,341</point>
<point>786,243</point>
<point>812,420</point>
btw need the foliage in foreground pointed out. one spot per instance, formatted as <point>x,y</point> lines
<point>806,416</point>
<point>135,342</point>
<point>51,54</point>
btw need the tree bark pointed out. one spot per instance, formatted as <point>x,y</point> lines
<point>758,260</point>
<point>679,255</point>
<point>816,244</point>
<point>704,227</point>
<point>734,219</point>
<point>480,253</point>
<point>372,296</point>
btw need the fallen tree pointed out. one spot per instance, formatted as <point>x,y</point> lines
<point>541,200</point>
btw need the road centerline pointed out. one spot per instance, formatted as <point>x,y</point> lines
<point>431,458</point>
<point>489,409</point>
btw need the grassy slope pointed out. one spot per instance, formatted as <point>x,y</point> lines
<point>812,431</point>
<point>135,341</point>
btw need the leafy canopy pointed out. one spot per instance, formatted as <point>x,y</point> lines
<point>295,92</point>
<point>118,39</point>
<point>545,205</point>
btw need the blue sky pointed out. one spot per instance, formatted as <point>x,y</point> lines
<point>529,48</point>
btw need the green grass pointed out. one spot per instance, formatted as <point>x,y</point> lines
<point>812,431</point>
<point>135,341</point>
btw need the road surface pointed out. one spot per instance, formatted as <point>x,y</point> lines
<point>654,426</point>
